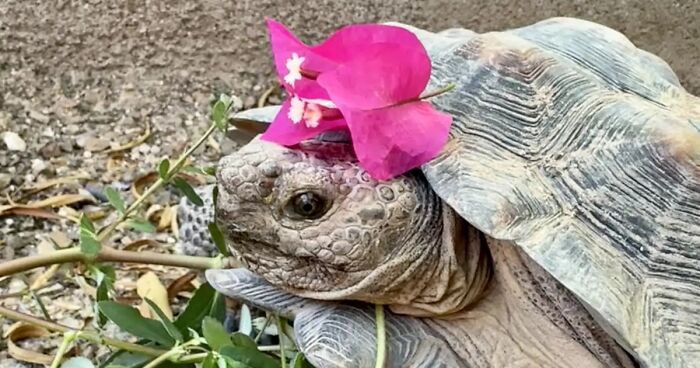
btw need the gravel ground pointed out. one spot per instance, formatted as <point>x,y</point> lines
<point>81,77</point>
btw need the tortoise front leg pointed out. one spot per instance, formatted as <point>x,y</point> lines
<point>338,335</point>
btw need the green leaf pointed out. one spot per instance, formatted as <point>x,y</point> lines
<point>169,326</point>
<point>124,358</point>
<point>141,224</point>
<point>210,170</point>
<point>209,361</point>
<point>218,238</point>
<point>243,340</point>
<point>300,361</point>
<point>197,308</point>
<point>89,245</point>
<point>219,113</point>
<point>104,277</point>
<point>229,362</point>
<point>163,169</point>
<point>115,199</point>
<point>251,357</point>
<point>86,224</point>
<point>215,334</point>
<point>188,191</point>
<point>218,307</point>
<point>129,320</point>
<point>77,362</point>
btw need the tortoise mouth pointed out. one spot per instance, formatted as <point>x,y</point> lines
<point>304,276</point>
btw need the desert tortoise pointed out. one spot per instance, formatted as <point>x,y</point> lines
<point>574,160</point>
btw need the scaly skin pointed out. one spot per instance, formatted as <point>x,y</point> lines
<point>466,299</point>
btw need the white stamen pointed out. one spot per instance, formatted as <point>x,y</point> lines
<point>296,110</point>
<point>293,65</point>
<point>312,115</point>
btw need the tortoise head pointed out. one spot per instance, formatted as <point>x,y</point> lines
<point>311,221</point>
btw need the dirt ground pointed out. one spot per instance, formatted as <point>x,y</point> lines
<point>80,77</point>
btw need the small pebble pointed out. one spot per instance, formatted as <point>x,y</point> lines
<point>36,115</point>
<point>38,165</point>
<point>50,150</point>
<point>96,144</point>
<point>5,180</point>
<point>14,142</point>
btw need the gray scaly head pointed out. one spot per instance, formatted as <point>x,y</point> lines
<point>312,222</point>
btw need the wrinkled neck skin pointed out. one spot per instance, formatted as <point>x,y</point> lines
<point>496,307</point>
<point>454,270</point>
<point>525,318</point>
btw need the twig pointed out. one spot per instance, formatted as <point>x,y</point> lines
<point>381,336</point>
<point>109,254</point>
<point>174,354</point>
<point>89,336</point>
<point>262,330</point>
<point>155,186</point>
<point>68,339</point>
<point>438,92</point>
<point>22,293</point>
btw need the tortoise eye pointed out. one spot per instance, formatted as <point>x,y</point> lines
<point>308,205</point>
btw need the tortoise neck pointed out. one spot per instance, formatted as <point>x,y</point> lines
<point>456,266</point>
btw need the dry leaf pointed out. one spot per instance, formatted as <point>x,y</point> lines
<point>32,212</point>
<point>174,226</point>
<point>182,283</point>
<point>38,187</point>
<point>138,141</point>
<point>166,218</point>
<point>149,286</point>
<point>87,288</point>
<point>262,101</point>
<point>60,201</point>
<point>44,277</point>
<point>142,244</point>
<point>20,331</point>
<point>56,201</point>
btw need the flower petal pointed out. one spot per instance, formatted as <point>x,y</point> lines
<point>349,41</point>
<point>389,142</point>
<point>284,44</point>
<point>283,131</point>
<point>284,48</point>
<point>382,75</point>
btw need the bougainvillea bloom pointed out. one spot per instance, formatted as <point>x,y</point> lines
<point>364,78</point>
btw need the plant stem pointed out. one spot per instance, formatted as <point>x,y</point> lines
<point>168,355</point>
<point>109,254</point>
<point>155,186</point>
<point>438,92</point>
<point>174,354</point>
<point>262,330</point>
<point>192,358</point>
<point>89,336</point>
<point>280,331</point>
<point>68,338</point>
<point>381,336</point>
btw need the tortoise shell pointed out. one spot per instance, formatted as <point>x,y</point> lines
<point>584,151</point>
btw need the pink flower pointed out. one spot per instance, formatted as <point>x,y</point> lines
<point>364,78</point>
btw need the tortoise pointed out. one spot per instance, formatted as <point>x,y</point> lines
<point>559,226</point>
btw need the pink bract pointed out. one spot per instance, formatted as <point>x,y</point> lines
<point>370,78</point>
